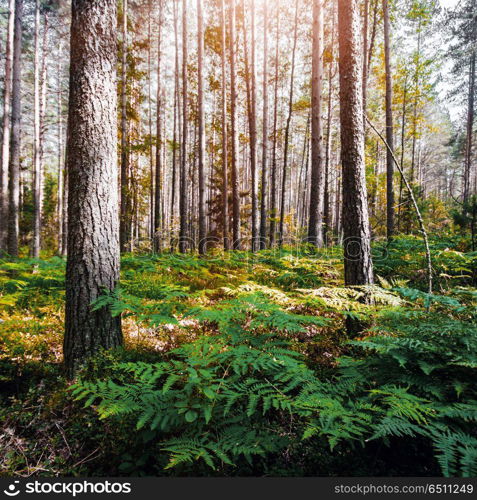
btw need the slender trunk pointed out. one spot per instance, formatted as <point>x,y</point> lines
<point>273,187</point>
<point>250,78</point>
<point>470,127</point>
<point>287,130</point>
<point>236,243</point>
<point>157,240</point>
<point>15,135</point>
<point>125,219</point>
<point>357,248</point>
<point>327,208</point>
<point>201,129</point>
<point>315,225</point>
<point>389,126</point>
<point>225,182</point>
<point>264,186</point>
<point>93,232</point>
<point>183,202</point>
<point>5,146</point>
<point>175,125</point>
<point>61,235</point>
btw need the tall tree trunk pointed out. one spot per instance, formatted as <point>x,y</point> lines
<point>14,162</point>
<point>157,233</point>
<point>93,232</point>
<point>287,129</point>
<point>233,132</point>
<point>61,180</point>
<point>389,126</point>
<point>5,151</point>
<point>35,249</point>
<point>273,187</point>
<point>357,248</point>
<point>184,199</point>
<point>327,226</point>
<point>201,129</point>
<point>125,218</point>
<point>315,225</point>
<point>225,182</point>
<point>469,127</point>
<point>264,186</point>
<point>252,122</point>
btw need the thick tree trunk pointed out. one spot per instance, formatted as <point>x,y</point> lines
<point>389,126</point>
<point>201,129</point>
<point>184,198</point>
<point>236,243</point>
<point>93,232</point>
<point>357,248</point>
<point>315,225</point>
<point>15,135</point>
<point>5,146</point>
<point>264,186</point>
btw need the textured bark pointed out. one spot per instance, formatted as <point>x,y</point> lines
<point>37,170</point>
<point>93,222</point>
<point>264,186</point>
<point>5,146</point>
<point>389,126</point>
<point>236,243</point>
<point>201,129</point>
<point>225,180</point>
<point>14,163</point>
<point>469,127</point>
<point>125,217</point>
<point>357,248</point>
<point>315,225</point>
<point>61,180</point>
<point>183,201</point>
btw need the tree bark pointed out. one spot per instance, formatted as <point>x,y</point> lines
<point>184,199</point>
<point>315,225</point>
<point>5,151</point>
<point>236,243</point>
<point>157,233</point>
<point>15,136</point>
<point>201,129</point>
<point>225,182</point>
<point>357,247</point>
<point>264,186</point>
<point>93,222</point>
<point>389,126</point>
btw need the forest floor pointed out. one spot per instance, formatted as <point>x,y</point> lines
<point>171,300</point>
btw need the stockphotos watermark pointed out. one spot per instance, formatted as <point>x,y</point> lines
<point>69,488</point>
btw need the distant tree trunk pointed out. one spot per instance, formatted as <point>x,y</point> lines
<point>273,187</point>
<point>389,126</point>
<point>183,202</point>
<point>125,219</point>
<point>15,136</point>
<point>469,127</point>
<point>315,225</point>
<point>61,178</point>
<point>264,186</point>
<point>233,132</point>
<point>327,227</point>
<point>93,232</point>
<point>225,182</point>
<point>157,233</point>
<point>252,123</point>
<point>201,129</point>
<point>287,129</point>
<point>5,151</point>
<point>35,249</point>
<point>357,248</point>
